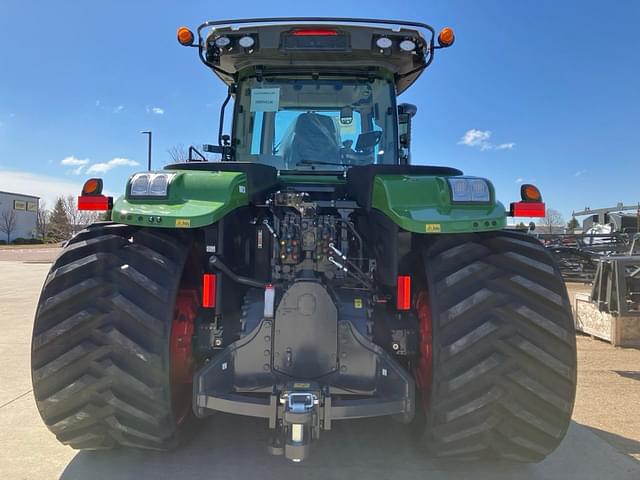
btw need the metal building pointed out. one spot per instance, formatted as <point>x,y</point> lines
<point>23,208</point>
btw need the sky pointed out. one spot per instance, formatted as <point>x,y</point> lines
<point>546,92</point>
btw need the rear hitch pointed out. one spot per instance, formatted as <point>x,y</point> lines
<point>298,423</point>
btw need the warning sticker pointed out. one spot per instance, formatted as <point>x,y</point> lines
<point>433,228</point>
<point>183,223</point>
<point>265,99</point>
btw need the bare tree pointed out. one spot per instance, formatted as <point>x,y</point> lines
<point>553,218</point>
<point>178,153</point>
<point>8,222</point>
<point>42,220</point>
<point>78,219</point>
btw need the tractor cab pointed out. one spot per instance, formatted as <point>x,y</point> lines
<point>316,94</point>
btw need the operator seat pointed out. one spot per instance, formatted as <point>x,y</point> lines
<point>314,138</point>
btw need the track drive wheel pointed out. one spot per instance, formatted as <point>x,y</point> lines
<point>503,366</point>
<point>111,348</point>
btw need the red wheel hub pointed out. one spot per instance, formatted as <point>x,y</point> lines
<point>181,351</point>
<point>424,369</point>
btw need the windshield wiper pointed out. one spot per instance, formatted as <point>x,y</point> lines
<point>319,162</point>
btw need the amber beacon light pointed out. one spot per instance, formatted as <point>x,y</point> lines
<point>185,36</point>
<point>446,37</point>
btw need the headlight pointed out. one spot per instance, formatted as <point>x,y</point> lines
<point>466,189</point>
<point>150,184</point>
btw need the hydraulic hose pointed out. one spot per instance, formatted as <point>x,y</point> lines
<point>216,263</point>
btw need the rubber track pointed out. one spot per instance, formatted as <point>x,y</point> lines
<point>504,348</point>
<point>100,352</point>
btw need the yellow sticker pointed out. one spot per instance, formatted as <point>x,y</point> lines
<point>433,228</point>
<point>357,303</point>
<point>297,386</point>
<point>183,223</point>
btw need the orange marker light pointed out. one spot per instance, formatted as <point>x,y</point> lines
<point>185,36</point>
<point>93,187</point>
<point>530,193</point>
<point>446,37</point>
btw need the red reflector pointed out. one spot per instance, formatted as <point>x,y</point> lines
<point>209,290</point>
<point>527,209</point>
<point>317,32</point>
<point>95,202</point>
<point>403,295</point>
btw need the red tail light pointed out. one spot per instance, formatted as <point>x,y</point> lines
<point>95,202</point>
<point>527,209</point>
<point>403,294</point>
<point>209,290</point>
<point>314,32</point>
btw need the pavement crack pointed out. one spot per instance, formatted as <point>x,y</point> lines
<point>17,398</point>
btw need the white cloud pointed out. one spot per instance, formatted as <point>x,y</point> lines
<point>73,161</point>
<point>114,162</point>
<point>505,146</point>
<point>475,138</point>
<point>45,187</point>
<point>118,109</point>
<point>78,171</point>
<point>519,180</point>
<point>156,110</point>
<point>98,104</point>
<point>480,139</point>
<point>579,173</point>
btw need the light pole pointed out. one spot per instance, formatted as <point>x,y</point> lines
<point>149,154</point>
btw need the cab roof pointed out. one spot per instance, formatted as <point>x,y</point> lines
<point>316,45</point>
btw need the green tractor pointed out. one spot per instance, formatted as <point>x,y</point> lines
<point>310,275</point>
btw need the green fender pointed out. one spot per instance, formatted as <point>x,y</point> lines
<point>422,204</point>
<point>195,199</point>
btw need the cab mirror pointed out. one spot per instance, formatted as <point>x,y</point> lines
<point>406,112</point>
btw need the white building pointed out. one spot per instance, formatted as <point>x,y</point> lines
<point>24,208</point>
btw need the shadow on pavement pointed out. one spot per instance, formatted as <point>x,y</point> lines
<point>623,445</point>
<point>230,447</point>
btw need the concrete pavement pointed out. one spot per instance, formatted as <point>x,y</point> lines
<point>228,447</point>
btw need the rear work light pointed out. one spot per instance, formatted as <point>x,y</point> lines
<point>209,281</point>
<point>403,293</point>
<point>527,209</point>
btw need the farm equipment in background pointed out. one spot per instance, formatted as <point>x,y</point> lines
<point>578,255</point>
<point>616,287</point>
